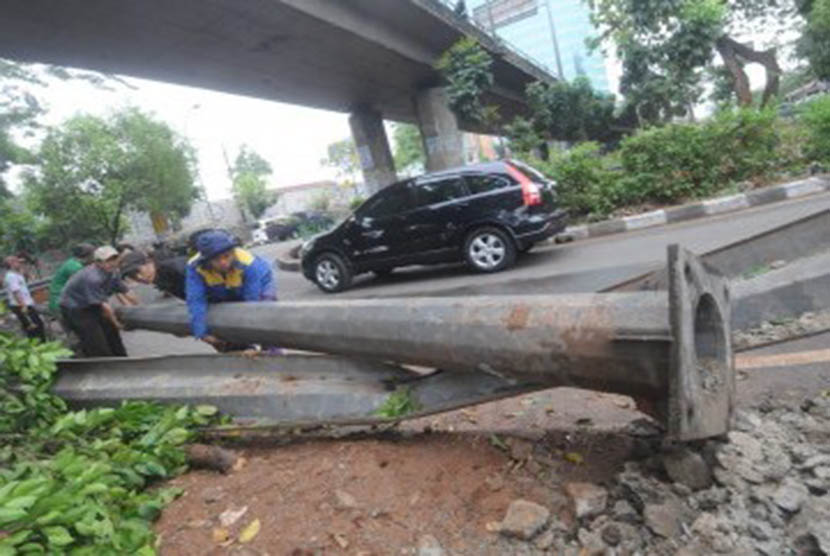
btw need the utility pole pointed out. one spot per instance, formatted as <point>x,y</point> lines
<point>555,41</point>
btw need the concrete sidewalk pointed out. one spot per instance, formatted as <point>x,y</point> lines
<point>700,209</point>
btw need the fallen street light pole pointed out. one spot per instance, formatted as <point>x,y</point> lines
<point>670,350</point>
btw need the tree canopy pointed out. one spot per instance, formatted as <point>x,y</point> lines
<point>92,170</point>
<point>814,44</point>
<point>665,46</point>
<point>571,111</point>
<point>466,67</point>
<point>342,156</point>
<point>249,174</point>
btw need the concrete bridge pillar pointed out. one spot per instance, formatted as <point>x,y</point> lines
<point>443,141</point>
<point>373,149</point>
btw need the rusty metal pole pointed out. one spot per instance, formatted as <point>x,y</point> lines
<point>671,349</point>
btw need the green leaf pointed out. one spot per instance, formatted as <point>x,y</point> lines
<point>21,502</point>
<point>94,488</point>
<point>176,436</point>
<point>11,515</point>
<point>151,469</point>
<point>18,537</point>
<point>50,517</point>
<point>206,410</point>
<point>150,510</point>
<point>31,548</point>
<point>58,536</point>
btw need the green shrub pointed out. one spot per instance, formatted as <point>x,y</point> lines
<point>76,482</point>
<point>668,163</point>
<point>745,142</point>
<point>585,185</point>
<point>686,161</point>
<point>816,118</point>
<point>793,147</point>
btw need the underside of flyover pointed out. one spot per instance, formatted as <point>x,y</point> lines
<point>331,55</point>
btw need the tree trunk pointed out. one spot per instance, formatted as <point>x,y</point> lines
<point>116,223</point>
<point>739,77</point>
<point>732,52</point>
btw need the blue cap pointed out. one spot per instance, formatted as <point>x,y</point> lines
<point>214,242</point>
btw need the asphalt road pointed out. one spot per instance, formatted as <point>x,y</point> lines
<point>582,266</point>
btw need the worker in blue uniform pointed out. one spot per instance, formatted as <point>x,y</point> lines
<point>222,272</point>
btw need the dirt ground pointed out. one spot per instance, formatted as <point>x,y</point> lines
<point>446,477</point>
<point>435,480</point>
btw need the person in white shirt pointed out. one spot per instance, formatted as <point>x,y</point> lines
<point>20,299</point>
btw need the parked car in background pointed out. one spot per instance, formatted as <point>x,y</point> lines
<point>296,225</point>
<point>484,214</point>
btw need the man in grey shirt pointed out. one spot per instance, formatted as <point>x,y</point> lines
<point>85,305</point>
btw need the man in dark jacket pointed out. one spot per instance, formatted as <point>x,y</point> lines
<point>168,275</point>
<point>85,305</point>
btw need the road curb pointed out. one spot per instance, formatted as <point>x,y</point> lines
<point>700,209</point>
<point>288,256</point>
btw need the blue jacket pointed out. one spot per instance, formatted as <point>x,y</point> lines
<point>249,279</point>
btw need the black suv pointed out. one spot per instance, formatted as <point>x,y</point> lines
<point>484,214</point>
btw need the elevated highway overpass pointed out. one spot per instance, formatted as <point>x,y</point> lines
<point>371,58</point>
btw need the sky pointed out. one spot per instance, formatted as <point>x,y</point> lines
<point>292,138</point>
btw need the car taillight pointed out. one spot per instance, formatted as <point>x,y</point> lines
<point>531,195</point>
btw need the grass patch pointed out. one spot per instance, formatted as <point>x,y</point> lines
<point>399,403</point>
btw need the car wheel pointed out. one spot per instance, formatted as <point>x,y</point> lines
<point>331,274</point>
<point>489,250</point>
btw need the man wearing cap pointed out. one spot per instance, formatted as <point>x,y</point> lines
<point>85,306</point>
<point>81,256</point>
<point>221,272</point>
<point>20,299</point>
<point>168,275</point>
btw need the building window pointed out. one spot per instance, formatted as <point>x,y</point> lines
<point>498,13</point>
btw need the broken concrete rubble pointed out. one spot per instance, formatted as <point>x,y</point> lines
<point>524,519</point>
<point>767,494</point>
<point>588,500</point>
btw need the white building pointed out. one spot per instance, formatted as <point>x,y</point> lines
<point>223,213</point>
<point>311,196</point>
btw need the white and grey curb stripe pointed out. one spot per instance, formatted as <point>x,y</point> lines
<point>709,207</point>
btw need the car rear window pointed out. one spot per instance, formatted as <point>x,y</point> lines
<point>483,183</point>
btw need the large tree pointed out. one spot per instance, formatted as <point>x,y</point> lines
<point>814,44</point>
<point>665,45</point>
<point>249,175</point>
<point>93,170</point>
<point>342,156</point>
<point>571,111</point>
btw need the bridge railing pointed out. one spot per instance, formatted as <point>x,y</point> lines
<point>451,4</point>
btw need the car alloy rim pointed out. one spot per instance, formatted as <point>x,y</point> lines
<point>487,251</point>
<point>328,275</point>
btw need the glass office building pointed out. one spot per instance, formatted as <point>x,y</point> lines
<point>552,32</point>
